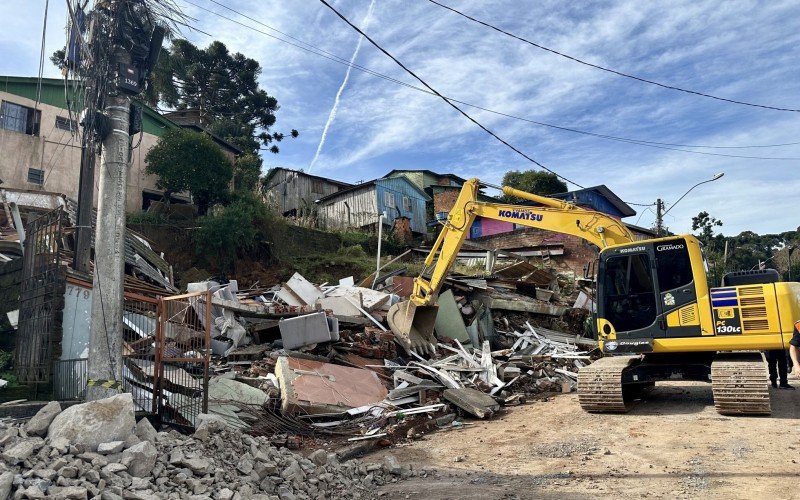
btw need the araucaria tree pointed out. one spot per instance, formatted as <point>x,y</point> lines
<point>189,161</point>
<point>223,87</point>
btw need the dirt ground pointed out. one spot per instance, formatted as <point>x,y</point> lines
<point>672,444</point>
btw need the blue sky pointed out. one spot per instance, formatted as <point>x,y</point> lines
<point>741,50</point>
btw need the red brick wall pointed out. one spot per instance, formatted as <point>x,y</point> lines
<point>444,201</point>
<point>577,252</point>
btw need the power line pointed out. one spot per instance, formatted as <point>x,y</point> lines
<point>609,70</point>
<point>41,59</point>
<point>445,99</point>
<point>307,47</point>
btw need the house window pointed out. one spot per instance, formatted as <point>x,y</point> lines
<point>388,199</point>
<point>407,205</point>
<point>36,176</point>
<point>19,118</point>
<point>66,124</point>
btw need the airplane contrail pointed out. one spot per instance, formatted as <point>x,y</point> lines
<point>335,107</point>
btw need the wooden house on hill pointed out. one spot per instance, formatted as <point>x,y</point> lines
<point>360,206</point>
<point>294,193</point>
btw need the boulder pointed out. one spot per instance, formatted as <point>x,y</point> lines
<point>145,431</point>
<point>95,422</point>
<point>37,426</point>
<point>140,459</point>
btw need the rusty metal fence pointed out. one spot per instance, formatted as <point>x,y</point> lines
<point>183,351</point>
<point>167,353</point>
<point>41,298</point>
<point>140,323</point>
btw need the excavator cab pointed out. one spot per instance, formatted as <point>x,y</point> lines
<point>649,290</point>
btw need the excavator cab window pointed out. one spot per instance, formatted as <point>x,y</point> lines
<point>674,266</point>
<point>629,301</point>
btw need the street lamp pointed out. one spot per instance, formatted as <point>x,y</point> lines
<point>660,204</point>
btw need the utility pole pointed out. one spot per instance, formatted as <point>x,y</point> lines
<point>83,235</point>
<point>105,342</point>
<point>659,216</point>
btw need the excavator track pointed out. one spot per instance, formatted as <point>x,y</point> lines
<point>600,385</point>
<point>740,384</point>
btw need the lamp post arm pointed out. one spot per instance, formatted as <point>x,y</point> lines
<point>684,195</point>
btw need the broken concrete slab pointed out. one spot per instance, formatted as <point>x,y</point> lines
<point>472,401</point>
<point>339,306</point>
<point>225,389</point>
<point>306,330</point>
<point>315,387</point>
<point>367,298</point>
<point>303,289</point>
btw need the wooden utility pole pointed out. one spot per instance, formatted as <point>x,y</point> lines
<point>105,344</point>
<point>659,216</point>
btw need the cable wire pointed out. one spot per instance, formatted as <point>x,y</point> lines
<point>609,70</point>
<point>41,60</point>
<point>445,99</point>
<point>307,47</point>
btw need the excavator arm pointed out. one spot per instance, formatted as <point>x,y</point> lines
<point>556,215</point>
<point>412,321</point>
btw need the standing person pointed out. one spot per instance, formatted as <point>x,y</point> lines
<point>777,358</point>
<point>794,350</point>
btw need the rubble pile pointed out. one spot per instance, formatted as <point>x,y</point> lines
<point>40,461</point>
<point>302,362</point>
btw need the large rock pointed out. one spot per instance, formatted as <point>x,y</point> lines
<point>140,459</point>
<point>145,431</point>
<point>95,422</point>
<point>37,426</point>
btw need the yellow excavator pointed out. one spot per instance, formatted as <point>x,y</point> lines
<point>656,316</point>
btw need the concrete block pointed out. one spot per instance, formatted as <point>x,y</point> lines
<point>305,330</point>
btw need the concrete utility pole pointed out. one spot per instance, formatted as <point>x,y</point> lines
<point>659,216</point>
<point>105,344</point>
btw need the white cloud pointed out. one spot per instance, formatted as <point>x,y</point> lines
<point>740,49</point>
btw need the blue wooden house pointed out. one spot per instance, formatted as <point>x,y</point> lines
<point>360,206</point>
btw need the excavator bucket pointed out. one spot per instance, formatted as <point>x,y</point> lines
<point>412,326</point>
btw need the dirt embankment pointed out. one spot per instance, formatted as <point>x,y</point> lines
<point>672,445</point>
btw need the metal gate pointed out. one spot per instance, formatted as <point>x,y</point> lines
<point>183,351</point>
<point>41,298</point>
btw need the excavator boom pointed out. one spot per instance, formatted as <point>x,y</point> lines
<point>412,321</point>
